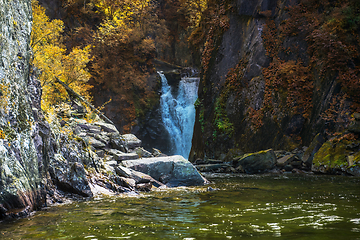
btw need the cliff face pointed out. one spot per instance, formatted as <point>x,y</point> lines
<point>263,84</point>
<point>20,178</point>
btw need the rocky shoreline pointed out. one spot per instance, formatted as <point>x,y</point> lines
<point>339,155</point>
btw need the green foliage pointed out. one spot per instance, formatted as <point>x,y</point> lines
<point>221,121</point>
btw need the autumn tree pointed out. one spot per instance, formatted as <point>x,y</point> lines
<point>123,48</point>
<point>52,61</point>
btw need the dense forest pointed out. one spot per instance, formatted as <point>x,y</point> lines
<point>104,50</point>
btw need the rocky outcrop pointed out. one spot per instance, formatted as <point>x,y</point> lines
<point>239,107</point>
<point>20,178</point>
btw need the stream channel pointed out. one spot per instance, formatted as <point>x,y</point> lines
<point>286,206</point>
<point>243,207</point>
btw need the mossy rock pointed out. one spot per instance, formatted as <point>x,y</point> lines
<point>334,156</point>
<point>258,162</point>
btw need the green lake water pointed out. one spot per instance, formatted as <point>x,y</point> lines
<point>243,207</point>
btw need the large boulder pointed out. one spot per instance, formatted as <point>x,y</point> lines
<point>258,162</point>
<point>172,171</point>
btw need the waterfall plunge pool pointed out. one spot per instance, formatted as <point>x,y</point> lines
<point>243,207</point>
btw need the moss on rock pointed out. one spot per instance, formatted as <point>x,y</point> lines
<point>334,156</point>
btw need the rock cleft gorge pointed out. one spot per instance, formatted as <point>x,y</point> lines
<point>273,76</point>
<point>278,92</point>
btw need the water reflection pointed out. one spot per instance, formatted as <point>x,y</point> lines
<point>285,207</point>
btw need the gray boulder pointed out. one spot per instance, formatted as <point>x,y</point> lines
<point>172,171</point>
<point>90,128</point>
<point>118,142</point>
<point>221,167</point>
<point>131,141</point>
<point>94,142</point>
<point>258,162</point>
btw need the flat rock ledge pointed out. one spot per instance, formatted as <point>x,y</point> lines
<point>173,171</point>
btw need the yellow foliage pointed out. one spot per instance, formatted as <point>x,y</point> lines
<point>123,12</point>
<point>195,8</point>
<point>51,60</point>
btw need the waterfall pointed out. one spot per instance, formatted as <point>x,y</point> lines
<point>178,112</point>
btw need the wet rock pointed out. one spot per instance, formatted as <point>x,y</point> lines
<point>333,157</point>
<point>207,161</point>
<point>125,182</point>
<point>285,160</point>
<point>210,189</point>
<point>20,162</point>
<point>354,170</point>
<point>297,171</point>
<point>258,162</point>
<point>240,169</point>
<point>288,168</point>
<point>144,187</point>
<point>281,153</point>
<point>172,170</point>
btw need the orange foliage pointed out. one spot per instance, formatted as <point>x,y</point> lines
<point>291,83</point>
<point>331,30</point>
<point>256,118</point>
<point>207,34</point>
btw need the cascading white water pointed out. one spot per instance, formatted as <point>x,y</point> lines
<point>178,113</point>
